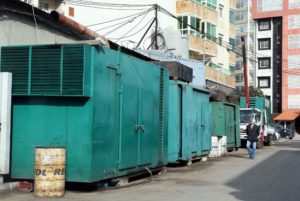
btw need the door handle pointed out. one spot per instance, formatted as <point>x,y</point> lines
<point>139,127</point>
<point>142,128</point>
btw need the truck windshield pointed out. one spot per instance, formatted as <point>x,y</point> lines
<point>247,116</point>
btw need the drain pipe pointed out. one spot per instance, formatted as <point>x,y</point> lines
<point>78,27</point>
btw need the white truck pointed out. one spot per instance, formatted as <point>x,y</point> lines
<point>259,110</point>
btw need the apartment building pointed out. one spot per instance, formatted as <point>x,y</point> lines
<point>278,51</point>
<point>215,18</point>
<point>245,27</point>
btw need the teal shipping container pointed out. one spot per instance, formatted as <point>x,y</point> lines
<point>108,109</point>
<point>189,122</point>
<point>226,122</point>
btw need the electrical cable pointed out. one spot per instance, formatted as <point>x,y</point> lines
<point>135,32</point>
<point>135,26</point>
<point>131,19</point>
<point>121,18</point>
<point>108,6</point>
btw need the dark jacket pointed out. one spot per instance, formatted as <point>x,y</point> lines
<point>253,133</point>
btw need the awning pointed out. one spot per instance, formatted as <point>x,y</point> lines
<point>288,115</point>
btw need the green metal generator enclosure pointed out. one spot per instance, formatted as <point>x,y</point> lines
<point>189,122</point>
<point>107,108</point>
<point>226,122</point>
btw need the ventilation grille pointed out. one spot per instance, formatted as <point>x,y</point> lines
<point>45,70</point>
<point>15,60</point>
<point>252,102</point>
<point>53,70</point>
<point>161,118</point>
<point>73,70</point>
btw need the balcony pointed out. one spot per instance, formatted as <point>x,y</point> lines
<point>202,46</point>
<point>232,58</point>
<point>220,77</point>
<point>190,7</point>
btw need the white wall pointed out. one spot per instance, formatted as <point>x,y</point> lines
<point>223,27</point>
<point>21,31</point>
<point>265,53</point>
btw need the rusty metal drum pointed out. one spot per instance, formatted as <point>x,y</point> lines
<point>50,163</point>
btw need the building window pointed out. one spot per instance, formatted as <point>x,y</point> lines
<point>211,31</point>
<point>294,21</point>
<point>239,65</point>
<point>264,62</point>
<point>231,69</point>
<point>232,43</point>
<point>183,24</point>
<point>212,4</point>
<point>184,21</point>
<point>71,11</point>
<point>294,41</point>
<point>294,61</point>
<point>264,44</point>
<point>195,22</point>
<point>239,78</point>
<point>293,102</point>
<point>241,4</point>
<point>241,15</point>
<point>264,25</point>
<point>231,16</point>
<point>269,5</point>
<point>263,82</point>
<point>294,81</point>
<point>221,39</point>
<point>221,8</point>
<point>294,4</point>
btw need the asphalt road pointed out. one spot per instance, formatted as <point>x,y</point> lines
<point>272,176</point>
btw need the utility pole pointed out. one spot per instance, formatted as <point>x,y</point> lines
<point>245,71</point>
<point>156,27</point>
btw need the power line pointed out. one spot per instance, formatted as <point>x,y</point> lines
<point>134,27</point>
<point>131,19</point>
<point>109,6</point>
<point>136,31</point>
<point>116,19</point>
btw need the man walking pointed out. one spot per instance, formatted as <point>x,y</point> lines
<point>252,132</point>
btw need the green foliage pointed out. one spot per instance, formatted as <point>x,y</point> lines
<point>252,92</point>
<point>255,91</point>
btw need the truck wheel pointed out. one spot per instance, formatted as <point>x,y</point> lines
<point>260,144</point>
<point>269,141</point>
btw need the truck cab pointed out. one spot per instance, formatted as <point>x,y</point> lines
<point>247,115</point>
<point>259,111</point>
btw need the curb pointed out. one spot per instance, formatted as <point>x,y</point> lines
<point>8,187</point>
